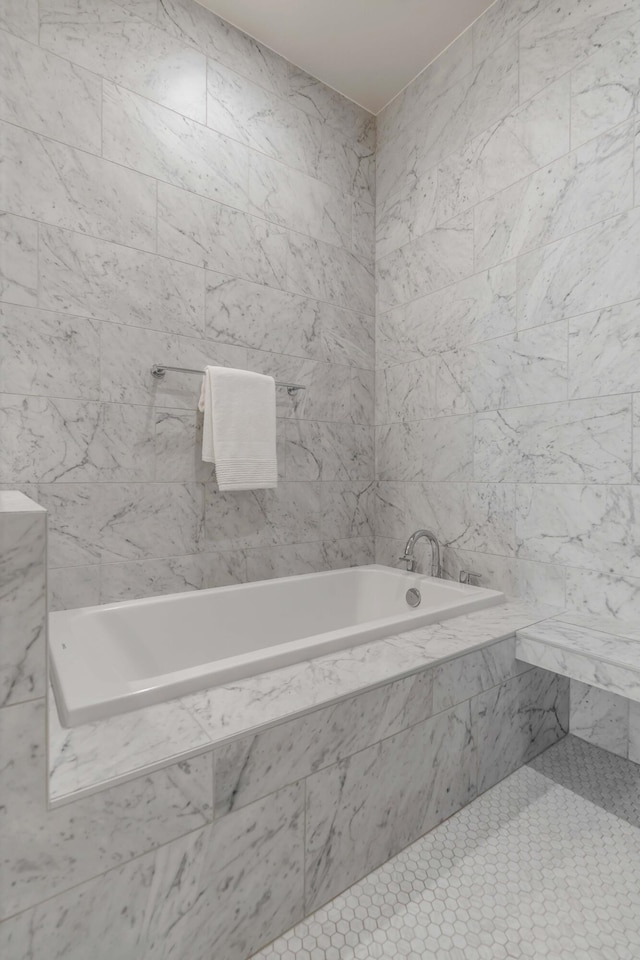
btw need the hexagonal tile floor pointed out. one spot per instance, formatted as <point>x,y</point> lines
<point>534,868</point>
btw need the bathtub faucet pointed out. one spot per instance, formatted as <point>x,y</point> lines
<point>409,558</point>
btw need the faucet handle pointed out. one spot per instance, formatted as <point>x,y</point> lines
<point>466,576</point>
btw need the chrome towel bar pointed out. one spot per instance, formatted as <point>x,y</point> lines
<point>158,370</point>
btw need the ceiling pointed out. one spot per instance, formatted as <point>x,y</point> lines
<point>368,50</point>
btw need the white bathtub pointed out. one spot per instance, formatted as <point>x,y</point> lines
<point>109,659</point>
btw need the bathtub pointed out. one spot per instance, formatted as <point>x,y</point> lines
<point>109,659</point>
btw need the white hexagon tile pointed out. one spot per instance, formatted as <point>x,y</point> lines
<point>544,865</point>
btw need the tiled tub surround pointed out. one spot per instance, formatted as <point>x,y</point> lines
<point>172,191</point>
<point>508,305</point>
<point>232,847</point>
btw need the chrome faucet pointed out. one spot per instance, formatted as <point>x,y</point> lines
<point>410,560</point>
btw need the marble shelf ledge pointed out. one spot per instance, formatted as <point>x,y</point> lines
<point>602,653</point>
<point>94,756</point>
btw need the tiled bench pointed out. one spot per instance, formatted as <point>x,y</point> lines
<point>602,655</point>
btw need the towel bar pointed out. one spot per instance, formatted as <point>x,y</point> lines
<point>158,370</point>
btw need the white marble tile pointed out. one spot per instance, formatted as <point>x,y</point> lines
<point>95,833</point>
<point>23,610</point>
<point>71,587</point>
<point>328,451</point>
<point>596,594</point>
<point>440,449</point>
<point>563,35</point>
<point>109,40</point>
<point>47,353</point>
<point>48,440</point>
<point>49,95</point>
<point>177,439</point>
<point>363,230</point>
<point>500,21</point>
<point>154,140</point>
<point>582,441</point>
<point>108,281</point>
<point>391,510</point>
<point>466,677</point>
<point>588,271</point>
<point>605,88</point>
<point>327,393</point>
<point>604,352</point>
<point>406,391</point>
<point>224,43</point>
<point>408,208</point>
<point>255,766</point>
<point>590,184</point>
<point>325,272</point>
<point>54,183</point>
<point>478,308</point>
<point>529,138</point>
<point>635,432</point>
<point>254,315</point>
<point>268,563</point>
<point>525,368</point>
<point>518,720</point>
<point>590,527</point>
<point>599,717</point>
<point>541,582</point>
<point>438,258</point>
<point>149,578</point>
<point>429,773</point>
<point>20,17</point>
<point>215,236</point>
<point>127,354</point>
<point>348,164</point>
<point>297,201</point>
<point>324,103</point>
<point>260,119</point>
<point>18,260</point>
<point>362,396</point>
<point>634,732</point>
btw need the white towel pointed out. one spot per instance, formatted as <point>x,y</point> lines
<point>239,428</point>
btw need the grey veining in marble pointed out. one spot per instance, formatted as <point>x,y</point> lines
<point>634,732</point>
<point>71,587</point>
<point>439,449</point>
<point>325,451</point>
<point>20,17</point>
<point>18,260</point>
<point>599,717</point>
<point>602,595</point>
<point>604,352</point>
<point>320,270</point>
<point>586,666</point>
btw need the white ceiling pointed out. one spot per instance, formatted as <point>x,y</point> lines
<point>368,50</point>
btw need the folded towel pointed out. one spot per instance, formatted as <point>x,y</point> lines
<point>239,428</point>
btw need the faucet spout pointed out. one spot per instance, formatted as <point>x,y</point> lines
<point>409,558</point>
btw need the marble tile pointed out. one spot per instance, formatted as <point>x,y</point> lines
<point>500,21</point>
<point>604,352</point>
<point>563,35</point>
<point>154,140</point>
<point>18,260</point>
<point>256,766</point>
<point>48,353</point>
<point>120,521</point>
<point>93,834</point>
<point>468,516</point>
<point>23,610</point>
<point>54,183</point>
<point>582,441</point>
<point>127,354</point>
<point>515,370</point>
<point>590,527</point>
<point>260,119</point>
<point>349,164</point>
<point>588,271</point>
<point>599,717</point>
<point>215,236</point>
<point>605,88</point>
<point>253,315</point>
<point>111,282</point>
<point>364,809</point>
<point>297,201</point>
<point>515,147</point>
<point>603,595</point>
<point>634,732</point>
<point>466,677</point>
<point>363,233</point>
<point>322,271</point>
<point>49,95</point>
<point>635,431</point>
<point>391,510</point>
<point>362,396</point>
<point>328,451</point>
<point>109,40</point>
<point>328,388</point>
<point>224,43</point>
<point>440,449</point>
<point>590,184</point>
<point>438,258</point>
<point>407,391</point>
<point>324,103</point>
<point>408,209</point>
<point>177,440</point>
<point>542,582</point>
<point>517,720</point>
<point>71,587</point>
<point>479,308</point>
<point>20,17</point>
<point>149,578</point>
<point>48,440</point>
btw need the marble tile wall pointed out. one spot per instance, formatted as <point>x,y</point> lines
<point>605,719</point>
<point>508,306</point>
<point>233,847</point>
<point>174,191</point>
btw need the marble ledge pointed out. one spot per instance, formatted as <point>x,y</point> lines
<point>92,757</point>
<point>13,501</point>
<point>603,654</point>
